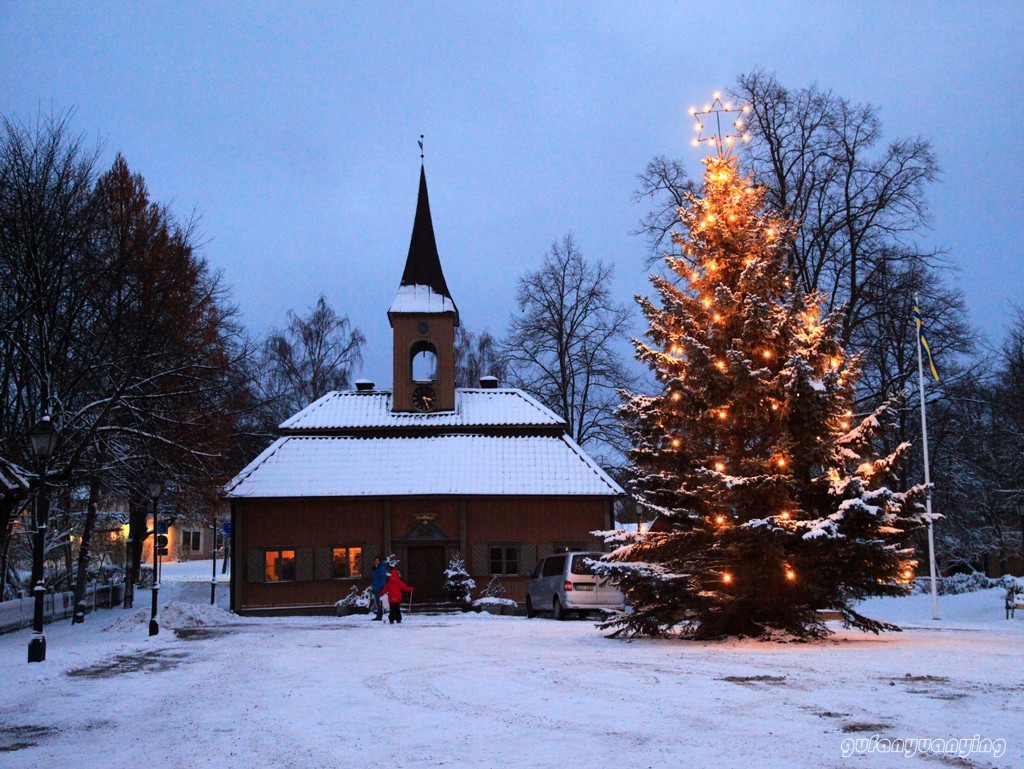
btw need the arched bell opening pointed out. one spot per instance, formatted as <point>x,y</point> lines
<point>423,361</point>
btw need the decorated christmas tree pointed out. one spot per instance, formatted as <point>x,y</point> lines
<point>771,501</point>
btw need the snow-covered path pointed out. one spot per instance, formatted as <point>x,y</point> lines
<point>482,691</point>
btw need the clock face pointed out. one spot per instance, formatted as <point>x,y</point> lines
<point>424,398</point>
<point>423,328</point>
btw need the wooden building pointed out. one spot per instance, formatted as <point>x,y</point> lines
<point>423,471</point>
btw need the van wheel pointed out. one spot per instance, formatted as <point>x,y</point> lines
<point>530,612</point>
<point>556,608</point>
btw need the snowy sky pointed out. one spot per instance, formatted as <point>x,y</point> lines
<point>291,128</point>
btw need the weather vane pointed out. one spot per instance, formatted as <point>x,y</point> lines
<point>420,142</point>
<point>722,142</point>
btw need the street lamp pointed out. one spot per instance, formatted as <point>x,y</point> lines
<point>156,488</point>
<point>44,439</point>
<point>1020,515</point>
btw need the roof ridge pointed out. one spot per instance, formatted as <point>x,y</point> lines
<point>537,404</point>
<point>253,466</point>
<point>590,462</point>
<point>309,408</point>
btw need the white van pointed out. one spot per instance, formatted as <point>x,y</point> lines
<point>565,582</point>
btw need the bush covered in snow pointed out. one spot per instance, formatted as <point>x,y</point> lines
<point>458,585</point>
<point>495,589</point>
<point>489,603</point>
<point>107,572</point>
<point>355,602</point>
<point>955,584</point>
<point>494,596</point>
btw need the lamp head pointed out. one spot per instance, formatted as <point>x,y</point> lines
<point>44,438</point>
<point>156,488</point>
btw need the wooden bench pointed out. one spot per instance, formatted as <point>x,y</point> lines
<point>1013,602</point>
<point>828,614</point>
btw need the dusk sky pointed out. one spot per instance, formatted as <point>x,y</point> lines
<point>291,128</point>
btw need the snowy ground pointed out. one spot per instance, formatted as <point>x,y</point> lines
<point>489,691</point>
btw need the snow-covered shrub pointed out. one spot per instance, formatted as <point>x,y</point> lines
<point>458,585</point>
<point>955,584</point>
<point>355,602</point>
<point>107,572</point>
<point>494,598</point>
<point>494,589</point>
<point>1017,583</point>
<point>495,605</point>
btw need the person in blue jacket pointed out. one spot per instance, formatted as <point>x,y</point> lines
<point>380,578</point>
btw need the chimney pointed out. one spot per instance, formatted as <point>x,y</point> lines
<point>489,382</point>
<point>364,385</point>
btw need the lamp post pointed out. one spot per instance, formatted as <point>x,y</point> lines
<point>1020,515</point>
<point>213,582</point>
<point>44,438</point>
<point>156,488</point>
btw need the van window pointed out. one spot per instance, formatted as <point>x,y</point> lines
<point>580,565</point>
<point>554,566</point>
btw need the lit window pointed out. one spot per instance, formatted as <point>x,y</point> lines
<point>279,566</point>
<point>347,562</point>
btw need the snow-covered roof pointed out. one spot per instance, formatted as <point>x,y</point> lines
<point>421,299</point>
<point>343,410</point>
<point>474,465</point>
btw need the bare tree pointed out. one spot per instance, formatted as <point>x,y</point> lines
<point>664,184</point>
<point>476,356</point>
<point>561,347</point>
<point>113,324</point>
<point>1004,449</point>
<point>315,354</point>
<point>860,205</point>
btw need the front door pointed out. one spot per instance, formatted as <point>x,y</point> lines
<point>426,572</point>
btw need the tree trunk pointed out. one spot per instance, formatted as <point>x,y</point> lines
<point>6,525</point>
<point>136,536</point>
<point>85,552</point>
<point>68,548</point>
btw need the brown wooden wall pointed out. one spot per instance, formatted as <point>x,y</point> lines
<point>379,524</point>
<point>442,336</point>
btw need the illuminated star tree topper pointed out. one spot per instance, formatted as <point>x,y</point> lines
<point>713,133</point>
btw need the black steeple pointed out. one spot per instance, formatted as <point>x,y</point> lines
<point>423,265</point>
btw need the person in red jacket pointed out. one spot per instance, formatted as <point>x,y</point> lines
<point>394,588</point>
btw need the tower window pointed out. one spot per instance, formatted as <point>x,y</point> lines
<point>423,362</point>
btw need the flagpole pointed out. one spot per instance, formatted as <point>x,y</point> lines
<point>927,474</point>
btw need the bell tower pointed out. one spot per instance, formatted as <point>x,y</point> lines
<point>423,319</point>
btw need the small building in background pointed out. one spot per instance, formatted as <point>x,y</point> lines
<point>186,541</point>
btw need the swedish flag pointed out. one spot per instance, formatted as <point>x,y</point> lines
<point>924,342</point>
